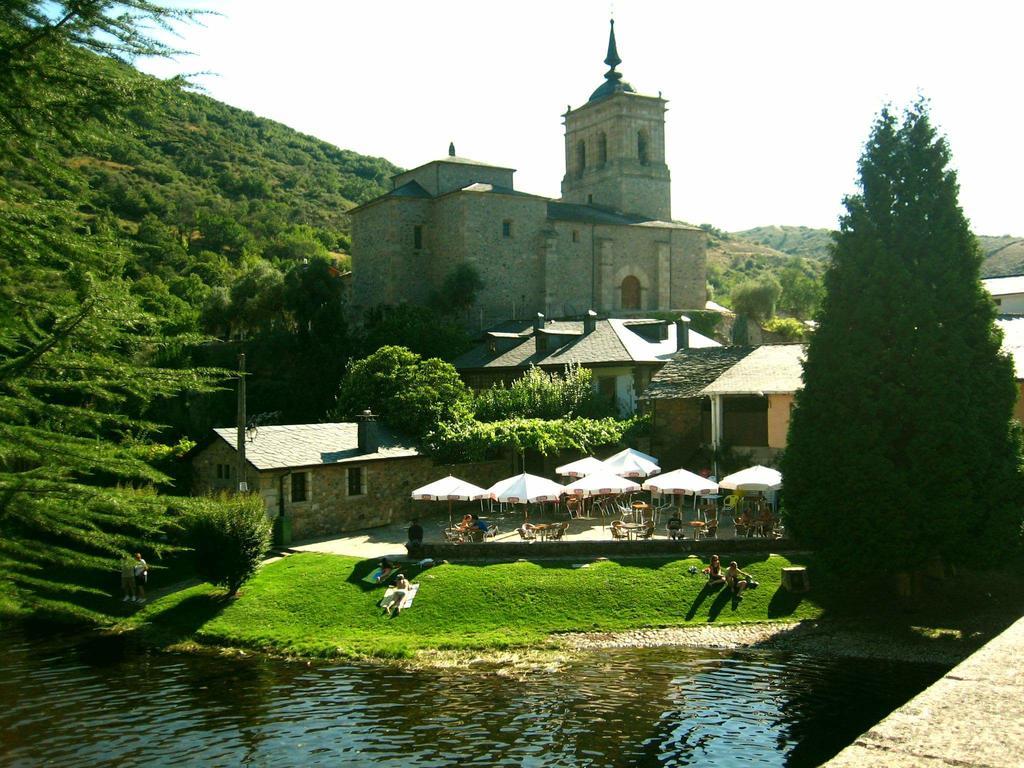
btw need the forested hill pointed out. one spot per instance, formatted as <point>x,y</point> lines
<point>1003,255</point>
<point>205,167</point>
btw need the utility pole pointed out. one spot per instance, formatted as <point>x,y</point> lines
<point>240,420</point>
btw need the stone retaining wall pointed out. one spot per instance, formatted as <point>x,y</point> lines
<point>973,717</point>
<point>514,550</point>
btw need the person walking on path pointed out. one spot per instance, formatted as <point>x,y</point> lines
<point>128,580</point>
<point>141,573</point>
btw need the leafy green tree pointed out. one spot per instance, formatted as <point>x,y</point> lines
<point>901,449</point>
<point>409,393</point>
<point>459,290</point>
<point>229,537</point>
<point>422,330</point>
<point>801,290</point>
<point>756,298</point>
<point>542,395</point>
<point>78,367</point>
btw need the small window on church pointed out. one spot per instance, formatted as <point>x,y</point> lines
<point>417,236</point>
<point>641,147</point>
<point>602,150</point>
<point>575,235</point>
<point>581,158</point>
<point>506,228</point>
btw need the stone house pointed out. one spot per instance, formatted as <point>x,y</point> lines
<point>609,243</point>
<point>739,397</point>
<point>623,354</point>
<point>326,478</point>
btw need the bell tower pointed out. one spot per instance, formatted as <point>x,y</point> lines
<point>615,148</point>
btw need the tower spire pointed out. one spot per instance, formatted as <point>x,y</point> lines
<point>612,59</point>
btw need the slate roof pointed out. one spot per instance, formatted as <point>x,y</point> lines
<point>591,214</point>
<point>309,445</point>
<point>1013,340</point>
<point>772,368</point>
<point>691,370</point>
<point>611,342</point>
<point>454,161</point>
<point>1004,286</point>
<point>409,189</point>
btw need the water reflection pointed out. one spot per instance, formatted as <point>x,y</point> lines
<point>82,703</point>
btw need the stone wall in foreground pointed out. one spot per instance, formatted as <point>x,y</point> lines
<point>973,717</point>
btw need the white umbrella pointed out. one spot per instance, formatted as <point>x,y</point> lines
<point>632,463</point>
<point>601,483</point>
<point>524,489</point>
<point>582,467</point>
<point>449,489</point>
<point>756,478</point>
<point>681,482</point>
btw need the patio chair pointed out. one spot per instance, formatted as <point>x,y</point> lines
<point>619,534</point>
<point>574,506</point>
<point>491,532</point>
<point>647,532</point>
<point>526,535</point>
<point>452,536</point>
<point>557,533</point>
<point>710,531</point>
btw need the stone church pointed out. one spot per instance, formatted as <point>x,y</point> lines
<point>609,244</point>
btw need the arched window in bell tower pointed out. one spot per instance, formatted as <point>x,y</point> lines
<point>581,158</point>
<point>602,149</point>
<point>630,293</point>
<point>641,147</point>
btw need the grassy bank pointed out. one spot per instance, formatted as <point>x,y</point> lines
<point>318,605</point>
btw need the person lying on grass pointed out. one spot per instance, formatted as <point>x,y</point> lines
<point>392,604</point>
<point>716,577</point>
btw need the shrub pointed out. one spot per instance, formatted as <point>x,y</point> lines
<point>540,395</point>
<point>229,536</point>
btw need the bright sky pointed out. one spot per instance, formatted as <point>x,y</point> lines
<point>769,102</point>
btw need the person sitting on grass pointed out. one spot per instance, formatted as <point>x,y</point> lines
<point>393,603</point>
<point>384,570</point>
<point>716,577</point>
<point>675,526</point>
<point>737,580</point>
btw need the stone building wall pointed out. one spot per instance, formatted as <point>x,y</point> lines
<point>387,256</point>
<point>329,508</point>
<point>623,180</point>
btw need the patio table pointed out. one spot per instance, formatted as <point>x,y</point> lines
<point>697,526</point>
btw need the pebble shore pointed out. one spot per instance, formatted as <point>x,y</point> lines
<point>828,639</point>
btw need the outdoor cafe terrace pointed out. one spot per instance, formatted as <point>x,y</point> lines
<point>580,519</point>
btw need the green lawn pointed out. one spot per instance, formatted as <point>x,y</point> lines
<point>318,605</point>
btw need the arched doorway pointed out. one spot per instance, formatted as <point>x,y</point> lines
<point>630,293</point>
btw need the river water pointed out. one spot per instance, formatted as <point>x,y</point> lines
<point>73,701</point>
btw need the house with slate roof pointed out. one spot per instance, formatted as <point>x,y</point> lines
<point>326,478</point>
<point>609,243</point>
<point>622,353</point>
<point>740,397</point>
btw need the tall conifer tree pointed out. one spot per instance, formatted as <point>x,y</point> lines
<point>78,358</point>
<point>902,447</point>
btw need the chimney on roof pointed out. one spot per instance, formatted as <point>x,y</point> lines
<point>539,339</point>
<point>366,430</point>
<point>589,322</point>
<point>682,333</point>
